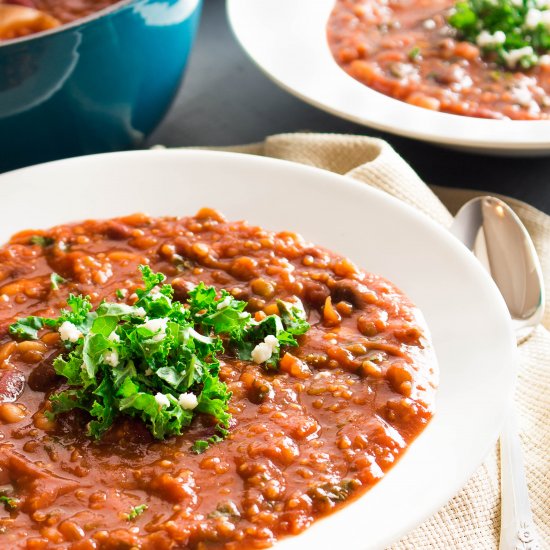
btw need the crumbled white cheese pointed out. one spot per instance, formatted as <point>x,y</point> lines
<point>114,337</point>
<point>155,293</point>
<point>544,60</point>
<point>513,56</point>
<point>4,298</point>
<point>534,108</point>
<point>532,18</point>
<point>158,326</point>
<point>263,351</point>
<point>123,292</point>
<point>154,325</point>
<point>188,401</point>
<point>322,374</point>
<point>69,332</point>
<point>271,341</point>
<point>162,400</point>
<point>429,24</point>
<point>225,302</point>
<point>522,96</point>
<point>545,19</point>
<point>139,312</point>
<point>189,332</point>
<point>403,70</point>
<point>111,357</point>
<point>487,40</point>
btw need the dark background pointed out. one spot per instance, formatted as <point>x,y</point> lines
<point>226,100</point>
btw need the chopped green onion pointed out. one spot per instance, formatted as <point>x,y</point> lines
<point>516,33</point>
<point>41,240</point>
<point>414,54</point>
<point>9,503</point>
<point>56,280</point>
<point>136,511</point>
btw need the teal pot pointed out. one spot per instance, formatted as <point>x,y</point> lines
<point>102,83</point>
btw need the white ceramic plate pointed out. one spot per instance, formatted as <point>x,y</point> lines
<point>287,39</point>
<point>468,319</point>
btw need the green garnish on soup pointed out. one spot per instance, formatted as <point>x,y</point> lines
<point>158,360</point>
<point>136,511</point>
<point>10,504</point>
<point>516,32</point>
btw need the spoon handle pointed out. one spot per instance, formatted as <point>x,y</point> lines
<point>517,530</point>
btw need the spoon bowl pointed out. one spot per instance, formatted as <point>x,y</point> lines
<point>499,240</point>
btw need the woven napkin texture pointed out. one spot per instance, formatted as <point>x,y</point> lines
<point>471,519</point>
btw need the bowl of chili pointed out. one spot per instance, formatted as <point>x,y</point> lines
<point>473,75</point>
<point>231,383</point>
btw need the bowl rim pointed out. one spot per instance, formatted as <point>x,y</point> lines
<point>117,6</point>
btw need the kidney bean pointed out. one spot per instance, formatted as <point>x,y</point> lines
<point>12,384</point>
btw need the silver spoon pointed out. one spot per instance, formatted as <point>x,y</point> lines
<point>496,236</point>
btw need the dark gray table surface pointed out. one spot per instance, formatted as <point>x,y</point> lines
<point>227,100</point>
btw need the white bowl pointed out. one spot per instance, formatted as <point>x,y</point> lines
<point>287,40</point>
<point>468,319</point>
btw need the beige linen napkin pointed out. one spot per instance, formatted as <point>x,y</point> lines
<point>471,519</point>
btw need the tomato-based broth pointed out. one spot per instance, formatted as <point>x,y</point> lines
<point>303,440</point>
<point>406,49</point>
